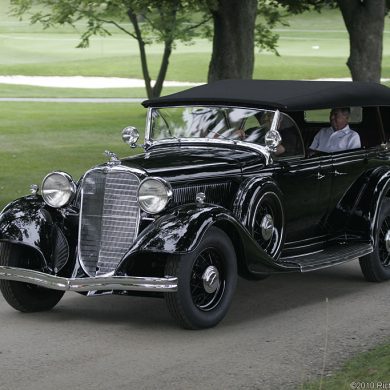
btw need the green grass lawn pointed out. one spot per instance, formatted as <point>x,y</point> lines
<point>314,46</point>
<point>370,370</point>
<point>36,138</point>
<point>7,90</point>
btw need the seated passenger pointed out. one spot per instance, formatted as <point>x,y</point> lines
<point>339,136</point>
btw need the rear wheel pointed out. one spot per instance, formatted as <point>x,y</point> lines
<point>376,265</point>
<point>207,279</point>
<point>24,297</point>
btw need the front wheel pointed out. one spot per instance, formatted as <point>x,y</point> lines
<point>376,265</point>
<point>25,297</point>
<point>207,279</point>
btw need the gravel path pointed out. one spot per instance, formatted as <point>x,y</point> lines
<point>276,335</point>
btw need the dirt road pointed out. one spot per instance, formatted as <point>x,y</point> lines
<point>276,335</point>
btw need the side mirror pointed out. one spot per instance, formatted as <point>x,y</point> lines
<point>130,136</point>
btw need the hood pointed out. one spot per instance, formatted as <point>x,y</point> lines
<point>175,161</point>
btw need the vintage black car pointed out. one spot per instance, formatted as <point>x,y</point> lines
<point>226,186</point>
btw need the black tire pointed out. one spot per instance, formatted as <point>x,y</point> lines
<point>199,303</point>
<point>376,265</point>
<point>25,297</point>
<point>267,223</point>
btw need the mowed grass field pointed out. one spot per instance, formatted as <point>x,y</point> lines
<point>38,137</point>
<point>315,45</point>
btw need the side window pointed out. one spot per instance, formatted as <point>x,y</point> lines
<point>250,123</point>
<point>322,116</point>
<point>292,144</point>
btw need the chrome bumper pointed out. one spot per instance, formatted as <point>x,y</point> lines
<point>124,283</point>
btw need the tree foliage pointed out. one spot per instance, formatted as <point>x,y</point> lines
<point>151,21</point>
<point>237,28</point>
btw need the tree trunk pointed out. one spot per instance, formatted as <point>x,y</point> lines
<point>141,45</point>
<point>157,88</point>
<point>233,41</point>
<point>364,20</point>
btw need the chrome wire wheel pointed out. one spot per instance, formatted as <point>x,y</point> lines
<point>207,282</point>
<point>384,242</point>
<point>207,278</point>
<point>267,224</point>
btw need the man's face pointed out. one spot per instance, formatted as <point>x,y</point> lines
<point>338,120</point>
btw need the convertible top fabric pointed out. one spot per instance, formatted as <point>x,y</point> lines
<point>290,95</point>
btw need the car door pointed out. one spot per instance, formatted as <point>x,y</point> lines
<point>306,186</point>
<point>305,182</point>
<point>347,168</point>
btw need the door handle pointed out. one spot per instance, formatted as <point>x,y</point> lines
<point>337,173</point>
<point>319,176</point>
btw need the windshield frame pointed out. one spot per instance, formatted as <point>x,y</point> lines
<point>150,142</point>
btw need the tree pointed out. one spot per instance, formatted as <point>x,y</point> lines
<point>236,32</point>
<point>164,21</point>
<point>240,26</point>
<point>233,39</point>
<point>364,20</point>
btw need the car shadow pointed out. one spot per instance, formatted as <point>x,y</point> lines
<point>282,292</point>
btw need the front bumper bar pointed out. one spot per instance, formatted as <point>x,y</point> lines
<point>100,283</point>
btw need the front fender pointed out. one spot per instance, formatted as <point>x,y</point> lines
<point>29,222</point>
<point>181,231</point>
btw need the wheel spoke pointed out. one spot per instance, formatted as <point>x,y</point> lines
<point>383,249</point>
<point>202,299</point>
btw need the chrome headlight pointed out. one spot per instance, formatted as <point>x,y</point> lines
<point>58,188</point>
<point>154,194</point>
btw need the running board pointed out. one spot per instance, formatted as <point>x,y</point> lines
<point>335,254</point>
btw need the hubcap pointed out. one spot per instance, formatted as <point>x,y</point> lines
<point>210,279</point>
<point>267,227</point>
<point>387,241</point>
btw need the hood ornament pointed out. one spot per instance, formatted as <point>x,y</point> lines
<point>114,160</point>
<point>34,189</point>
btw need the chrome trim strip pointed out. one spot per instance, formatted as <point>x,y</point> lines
<point>123,283</point>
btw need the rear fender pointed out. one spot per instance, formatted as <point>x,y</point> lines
<point>356,214</point>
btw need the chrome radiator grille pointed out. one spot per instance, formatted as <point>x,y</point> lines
<point>109,219</point>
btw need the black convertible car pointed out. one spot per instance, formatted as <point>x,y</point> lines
<point>226,186</point>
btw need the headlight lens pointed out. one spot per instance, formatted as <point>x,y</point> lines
<point>58,189</point>
<point>154,194</point>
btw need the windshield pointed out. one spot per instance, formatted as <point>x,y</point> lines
<point>223,123</point>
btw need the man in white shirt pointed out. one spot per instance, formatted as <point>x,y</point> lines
<point>338,136</point>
